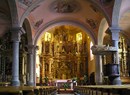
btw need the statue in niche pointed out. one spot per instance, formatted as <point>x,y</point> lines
<point>53,70</point>
<point>42,46</point>
<point>46,67</point>
<point>52,48</point>
<point>68,48</point>
<point>47,46</point>
<point>75,47</point>
<point>84,47</point>
<point>64,71</point>
<point>63,47</point>
<point>64,35</point>
<point>81,48</point>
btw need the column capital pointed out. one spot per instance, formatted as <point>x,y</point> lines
<point>16,32</point>
<point>115,32</point>
<point>115,29</point>
<point>32,48</point>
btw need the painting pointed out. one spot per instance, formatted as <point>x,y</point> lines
<point>92,23</point>
<point>38,23</point>
<point>64,6</point>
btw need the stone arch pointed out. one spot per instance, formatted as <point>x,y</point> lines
<point>126,14</point>
<point>102,10</point>
<point>124,8</point>
<point>26,13</point>
<point>14,13</point>
<point>64,22</point>
<point>28,29</point>
<point>39,1</point>
<point>102,28</point>
<point>116,12</point>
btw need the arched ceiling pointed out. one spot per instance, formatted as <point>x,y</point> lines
<point>83,11</point>
<point>124,22</point>
<point>87,12</point>
<point>5,20</point>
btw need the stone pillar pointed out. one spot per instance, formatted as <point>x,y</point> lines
<point>34,67</point>
<point>15,37</point>
<point>30,67</point>
<point>115,37</point>
<point>98,73</point>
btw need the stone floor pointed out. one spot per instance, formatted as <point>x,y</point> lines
<point>65,94</point>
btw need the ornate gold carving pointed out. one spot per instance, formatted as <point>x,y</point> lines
<point>63,54</point>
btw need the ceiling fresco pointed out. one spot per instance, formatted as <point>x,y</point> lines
<point>56,10</point>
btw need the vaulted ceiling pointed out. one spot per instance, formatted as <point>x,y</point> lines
<point>42,13</point>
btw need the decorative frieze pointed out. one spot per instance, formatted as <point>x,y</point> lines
<point>103,49</point>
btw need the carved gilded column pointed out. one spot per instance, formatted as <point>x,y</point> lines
<point>115,37</point>
<point>50,64</point>
<point>42,69</point>
<point>16,33</point>
<point>78,67</point>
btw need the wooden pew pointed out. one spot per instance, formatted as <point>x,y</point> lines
<point>48,90</point>
<point>103,90</point>
<point>5,83</point>
<point>9,90</point>
<point>28,90</point>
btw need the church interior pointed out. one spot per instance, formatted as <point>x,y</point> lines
<point>50,47</point>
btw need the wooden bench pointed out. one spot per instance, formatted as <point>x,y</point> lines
<point>10,90</point>
<point>103,90</point>
<point>28,90</point>
<point>4,83</point>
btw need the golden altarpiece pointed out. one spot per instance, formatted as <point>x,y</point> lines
<point>64,53</point>
<point>124,55</point>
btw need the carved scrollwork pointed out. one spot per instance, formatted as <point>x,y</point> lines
<point>103,49</point>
